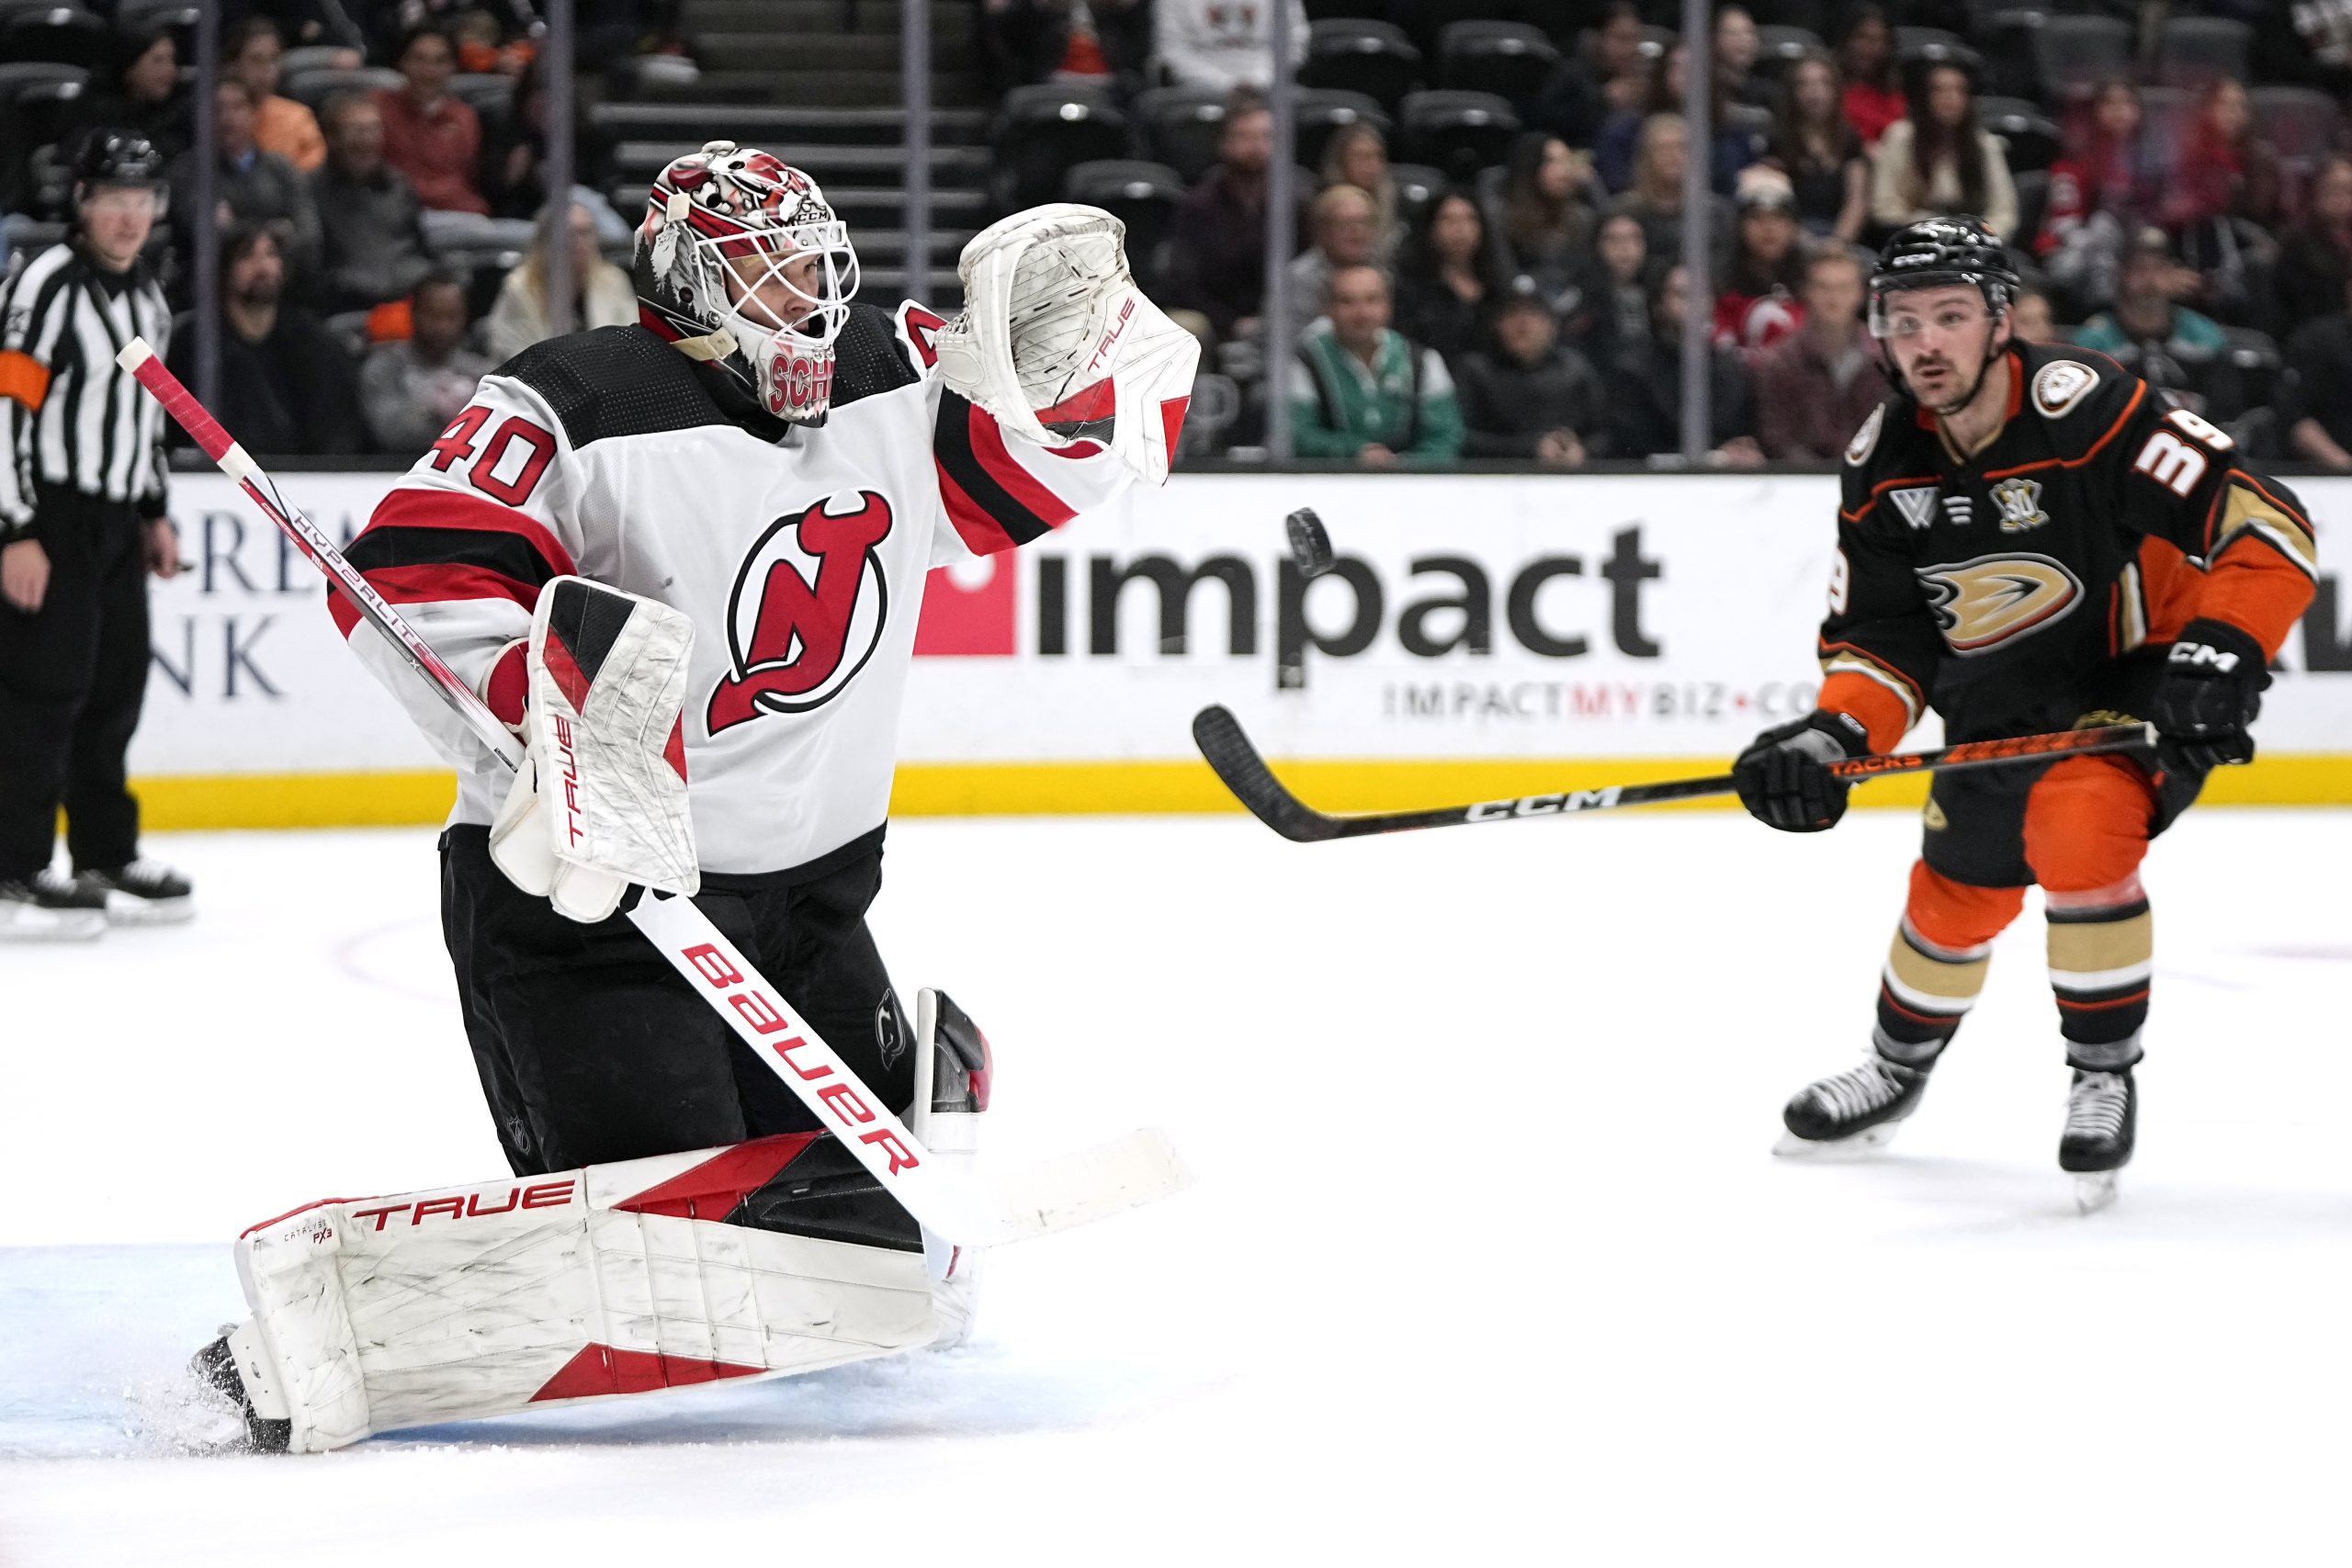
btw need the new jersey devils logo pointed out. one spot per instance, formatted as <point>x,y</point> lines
<point>807,612</point>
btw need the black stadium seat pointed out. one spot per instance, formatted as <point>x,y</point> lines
<point>2007,38</point>
<point>1044,131</point>
<point>1778,46</point>
<point>2073,52</point>
<point>1460,132</point>
<point>2300,123</point>
<point>1320,111</point>
<point>2194,51</point>
<point>34,96</point>
<point>487,94</point>
<point>1418,185</point>
<point>1514,59</point>
<point>1354,55</point>
<point>1180,127</point>
<point>2030,137</point>
<point>63,34</point>
<point>313,87</point>
<point>1141,194</point>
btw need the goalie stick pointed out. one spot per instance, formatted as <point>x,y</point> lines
<point>969,1210</point>
<point>1241,769</point>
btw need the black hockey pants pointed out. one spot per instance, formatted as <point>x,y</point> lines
<point>592,1049</point>
<point>73,675</point>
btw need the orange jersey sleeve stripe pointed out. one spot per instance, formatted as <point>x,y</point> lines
<point>24,378</point>
<point>1883,715</point>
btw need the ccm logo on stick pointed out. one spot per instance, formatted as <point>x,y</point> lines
<point>840,1098</point>
<point>1544,805</point>
<point>545,1195</point>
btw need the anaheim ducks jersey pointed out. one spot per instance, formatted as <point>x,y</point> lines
<point>2000,589</point>
<point>799,553</point>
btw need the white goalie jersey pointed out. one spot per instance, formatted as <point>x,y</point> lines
<point>800,559</point>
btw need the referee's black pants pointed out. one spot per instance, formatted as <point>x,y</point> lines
<point>73,675</point>
<point>590,1047</point>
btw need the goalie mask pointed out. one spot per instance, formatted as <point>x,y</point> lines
<point>741,262</point>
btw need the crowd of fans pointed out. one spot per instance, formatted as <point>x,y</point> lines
<point>1486,317</point>
<point>1531,311</point>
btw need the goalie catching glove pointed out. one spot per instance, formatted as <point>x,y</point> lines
<point>1058,344</point>
<point>600,801</point>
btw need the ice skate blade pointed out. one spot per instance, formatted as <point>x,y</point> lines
<point>1854,1146</point>
<point>129,909</point>
<point>2094,1190</point>
<point>52,925</point>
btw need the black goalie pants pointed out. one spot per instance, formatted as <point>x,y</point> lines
<point>592,1049</point>
<point>73,676</point>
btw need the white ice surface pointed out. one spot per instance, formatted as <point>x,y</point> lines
<point>1487,1262</point>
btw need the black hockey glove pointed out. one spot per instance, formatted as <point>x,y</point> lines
<point>1783,777</point>
<point>2211,692</point>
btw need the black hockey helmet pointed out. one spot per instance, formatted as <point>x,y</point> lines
<point>1940,253</point>
<point>116,158</point>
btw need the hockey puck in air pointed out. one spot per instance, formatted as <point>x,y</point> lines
<point>1310,546</point>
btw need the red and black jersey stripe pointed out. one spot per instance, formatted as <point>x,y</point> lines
<point>432,546</point>
<point>994,502</point>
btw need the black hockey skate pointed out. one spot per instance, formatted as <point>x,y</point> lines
<point>144,893</point>
<point>1852,1111</point>
<point>215,1367</point>
<point>50,908</point>
<point>2102,1120</point>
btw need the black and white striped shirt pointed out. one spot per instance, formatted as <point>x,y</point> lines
<point>69,415</point>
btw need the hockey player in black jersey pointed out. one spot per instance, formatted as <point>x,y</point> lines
<point>2031,539</point>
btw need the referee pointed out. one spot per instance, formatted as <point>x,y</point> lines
<point>81,523</point>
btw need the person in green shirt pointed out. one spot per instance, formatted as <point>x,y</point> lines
<point>1360,389</point>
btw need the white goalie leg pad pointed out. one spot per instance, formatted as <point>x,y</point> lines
<point>600,802</point>
<point>375,1314</point>
<point>1054,331</point>
<point>947,1120</point>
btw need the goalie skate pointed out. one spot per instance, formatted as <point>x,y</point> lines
<point>1850,1114</point>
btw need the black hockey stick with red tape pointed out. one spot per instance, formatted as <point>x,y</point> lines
<point>1241,769</point>
<point>973,1212</point>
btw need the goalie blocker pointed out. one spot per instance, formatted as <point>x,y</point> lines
<point>768,1258</point>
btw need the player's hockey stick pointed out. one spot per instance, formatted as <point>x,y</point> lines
<point>1244,771</point>
<point>969,1210</point>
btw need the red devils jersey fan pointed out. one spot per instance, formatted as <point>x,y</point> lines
<point>776,468</point>
<point>2031,539</point>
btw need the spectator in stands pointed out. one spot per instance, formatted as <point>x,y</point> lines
<point>1216,43</point>
<point>1613,309</point>
<point>2029,318</point>
<point>1618,151</point>
<point>281,126</point>
<point>144,97</point>
<point>1819,152</point>
<point>413,389</point>
<point>1736,48</point>
<point>1645,392</point>
<point>251,186</point>
<point>1216,245</point>
<point>1606,74</point>
<point>1361,389</point>
<point>1655,198</point>
<point>1357,155</point>
<point>602,294</point>
<point>2108,188</point>
<point>1531,397</point>
<point>514,150</point>
<point>285,384</point>
<point>1347,233</point>
<point>395,20</point>
<point>2149,331</point>
<point>1814,391</point>
<point>1938,160</point>
<point>1448,279</point>
<point>1873,96</point>
<point>1037,41</point>
<point>1758,304</point>
<point>2221,202</point>
<point>431,137</point>
<point>373,240</point>
<point>2315,256</point>
<point>2315,391</point>
<point>1545,226</point>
